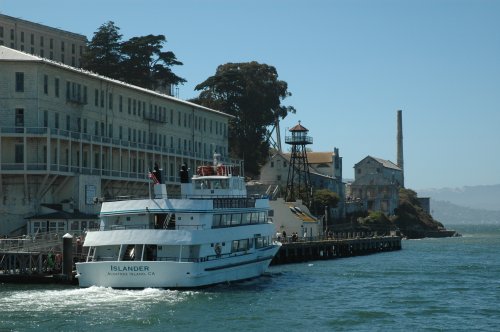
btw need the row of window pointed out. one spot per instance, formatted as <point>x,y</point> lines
<point>246,244</point>
<point>159,113</point>
<point>41,52</point>
<point>42,40</point>
<point>77,93</point>
<point>62,226</point>
<point>236,219</point>
<point>134,135</point>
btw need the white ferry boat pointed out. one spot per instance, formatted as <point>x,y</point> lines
<point>213,234</point>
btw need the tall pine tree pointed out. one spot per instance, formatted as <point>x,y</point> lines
<point>139,61</point>
<point>103,54</point>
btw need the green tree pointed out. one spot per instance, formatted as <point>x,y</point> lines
<point>103,54</point>
<point>252,93</point>
<point>324,198</point>
<point>139,60</point>
<point>146,65</point>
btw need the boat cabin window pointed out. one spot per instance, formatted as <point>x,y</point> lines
<point>261,242</point>
<point>201,184</point>
<point>240,245</point>
<point>221,184</point>
<point>235,219</point>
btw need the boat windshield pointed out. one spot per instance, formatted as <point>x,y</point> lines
<point>211,184</point>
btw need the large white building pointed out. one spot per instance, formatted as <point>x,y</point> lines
<point>68,136</point>
<point>41,40</point>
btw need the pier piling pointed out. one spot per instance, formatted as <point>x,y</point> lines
<point>67,262</point>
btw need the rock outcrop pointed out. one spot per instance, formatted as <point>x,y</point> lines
<point>414,222</point>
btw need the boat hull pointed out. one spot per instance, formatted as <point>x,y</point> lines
<point>171,274</point>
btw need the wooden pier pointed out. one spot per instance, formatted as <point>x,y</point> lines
<point>37,260</point>
<point>303,251</point>
<point>41,260</point>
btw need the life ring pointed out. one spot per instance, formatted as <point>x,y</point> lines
<point>205,170</point>
<point>218,249</point>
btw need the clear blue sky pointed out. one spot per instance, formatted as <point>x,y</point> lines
<point>349,64</point>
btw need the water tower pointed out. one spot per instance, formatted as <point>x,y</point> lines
<point>298,184</point>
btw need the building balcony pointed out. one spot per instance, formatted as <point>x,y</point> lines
<point>71,170</point>
<point>155,117</point>
<point>76,99</point>
<point>65,135</point>
<point>298,139</point>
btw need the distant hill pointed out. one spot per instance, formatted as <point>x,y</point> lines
<point>452,214</point>
<point>474,197</point>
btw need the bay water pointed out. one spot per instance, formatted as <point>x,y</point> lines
<point>430,285</point>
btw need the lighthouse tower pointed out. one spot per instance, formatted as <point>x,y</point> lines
<point>299,180</point>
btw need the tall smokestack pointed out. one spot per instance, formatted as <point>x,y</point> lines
<point>400,142</point>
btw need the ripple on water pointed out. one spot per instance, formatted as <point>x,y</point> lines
<point>438,284</point>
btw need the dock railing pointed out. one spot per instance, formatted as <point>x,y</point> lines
<point>39,242</point>
<point>330,236</point>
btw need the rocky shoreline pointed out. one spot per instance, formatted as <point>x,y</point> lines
<point>410,221</point>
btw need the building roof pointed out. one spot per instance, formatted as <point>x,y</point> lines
<point>314,157</point>
<point>9,54</point>
<point>385,163</point>
<point>63,215</point>
<point>298,127</point>
<point>320,175</point>
<point>320,157</point>
<point>388,164</point>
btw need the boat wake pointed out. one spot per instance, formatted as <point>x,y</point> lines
<point>57,298</point>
